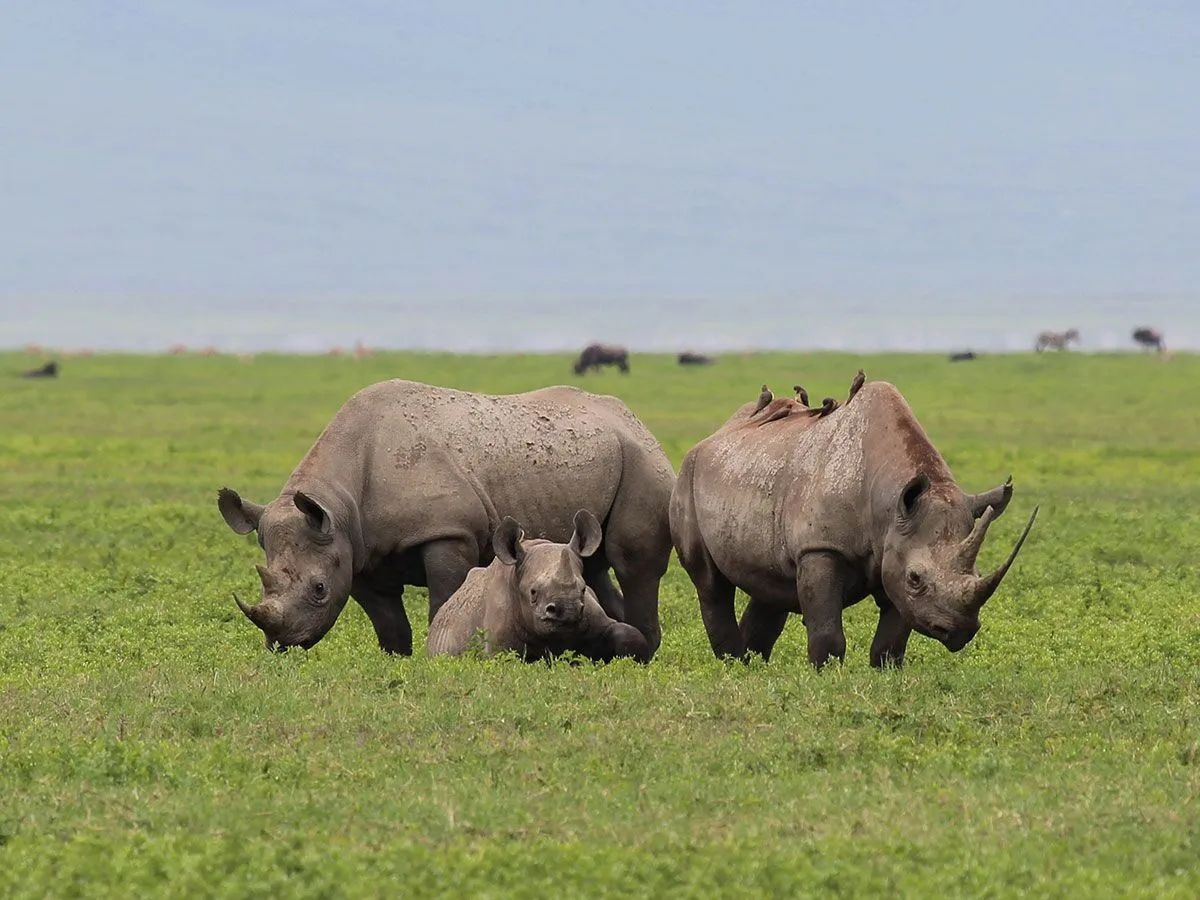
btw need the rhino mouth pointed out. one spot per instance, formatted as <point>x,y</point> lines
<point>954,639</point>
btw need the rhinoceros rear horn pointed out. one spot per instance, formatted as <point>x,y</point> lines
<point>268,580</point>
<point>986,586</point>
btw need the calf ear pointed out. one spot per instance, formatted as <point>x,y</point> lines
<point>997,498</point>
<point>587,536</point>
<point>906,506</point>
<point>241,515</point>
<point>506,542</point>
<point>318,516</point>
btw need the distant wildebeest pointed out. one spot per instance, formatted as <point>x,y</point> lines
<point>49,370</point>
<point>408,482</point>
<point>596,355</point>
<point>532,600</point>
<point>1150,338</point>
<point>811,510</point>
<point>963,356</point>
<point>688,358</point>
<point>1056,340</point>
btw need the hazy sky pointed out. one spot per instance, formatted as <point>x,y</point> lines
<point>636,149</point>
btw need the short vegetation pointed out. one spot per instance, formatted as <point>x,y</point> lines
<point>150,745</point>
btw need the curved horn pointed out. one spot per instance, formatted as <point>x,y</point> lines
<point>969,549</point>
<point>255,614</point>
<point>985,587</point>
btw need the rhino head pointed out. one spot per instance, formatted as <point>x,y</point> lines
<point>929,558</point>
<point>306,580</point>
<point>549,577</point>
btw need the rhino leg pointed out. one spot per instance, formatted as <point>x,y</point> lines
<point>891,636</point>
<point>605,639</point>
<point>639,585</point>
<point>386,612</point>
<point>821,583</point>
<point>762,623</point>
<point>596,574</point>
<point>715,593</point>
<point>447,563</point>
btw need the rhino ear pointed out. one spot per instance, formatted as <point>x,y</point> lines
<point>318,516</point>
<point>911,495</point>
<point>241,515</point>
<point>997,498</point>
<point>506,542</point>
<point>586,539</point>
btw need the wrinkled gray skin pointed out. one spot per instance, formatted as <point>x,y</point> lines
<point>532,599</point>
<point>408,482</point>
<point>811,514</point>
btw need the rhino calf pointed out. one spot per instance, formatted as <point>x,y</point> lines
<point>533,599</point>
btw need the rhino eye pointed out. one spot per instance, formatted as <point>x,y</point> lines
<point>914,579</point>
<point>320,589</point>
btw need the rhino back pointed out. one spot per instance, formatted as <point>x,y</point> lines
<point>764,495</point>
<point>537,456</point>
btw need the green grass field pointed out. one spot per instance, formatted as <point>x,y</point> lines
<point>149,745</point>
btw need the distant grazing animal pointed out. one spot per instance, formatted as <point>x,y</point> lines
<point>596,355</point>
<point>963,356</point>
<point>532,600</point>
<point>688,358</point>
<point>1056,340</point>
<point>48,370</point>
<point>1150,338</point>
<point>408,481</point>
<point>809,514</point>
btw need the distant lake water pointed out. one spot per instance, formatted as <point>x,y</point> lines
<point>992,324</point>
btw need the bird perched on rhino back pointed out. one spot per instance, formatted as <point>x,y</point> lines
<point>408,481</point>
<point>811,513</point>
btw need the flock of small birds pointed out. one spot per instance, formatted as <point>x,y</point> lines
<point>828,405</point>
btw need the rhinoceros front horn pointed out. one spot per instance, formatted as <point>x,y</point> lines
<point>257,614</point>
<point>986,586</point>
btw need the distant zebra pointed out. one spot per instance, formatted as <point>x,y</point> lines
<point>1056,340</point>
<point>1150,338</point>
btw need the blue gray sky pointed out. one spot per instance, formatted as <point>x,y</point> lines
<point>565,152</point>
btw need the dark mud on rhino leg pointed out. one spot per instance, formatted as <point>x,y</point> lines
<point>762,623</point>
<point>387,615</point>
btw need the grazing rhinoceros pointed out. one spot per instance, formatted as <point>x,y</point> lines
<point>596,355</point>
<point>811,510</point>
<point>408,481</point>
<point>532,599</point>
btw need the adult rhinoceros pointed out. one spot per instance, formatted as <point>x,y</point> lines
<point>812,510</point>
<point>408,481</point>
